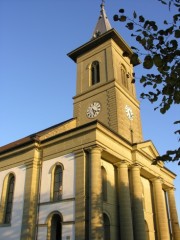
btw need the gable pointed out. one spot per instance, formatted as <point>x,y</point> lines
<point>148,149</point>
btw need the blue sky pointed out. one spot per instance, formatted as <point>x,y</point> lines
<point>38,80</point>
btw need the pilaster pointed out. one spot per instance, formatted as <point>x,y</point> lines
<point>95,196</point>
<point>80,198</point>
<point>31,195</point>
<point>137,205</point>
<point>173,214</point>
<point>125,216</point>
<point>160,210</point>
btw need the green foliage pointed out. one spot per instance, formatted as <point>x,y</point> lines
<point>161,55</point>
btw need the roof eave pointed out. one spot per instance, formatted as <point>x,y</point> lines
<point>111,34</point>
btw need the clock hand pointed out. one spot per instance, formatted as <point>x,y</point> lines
<point>94,111</point>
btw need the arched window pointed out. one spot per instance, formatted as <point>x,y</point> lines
<point>104,183</point>
<point>58,176</point>
<point>124,77</point>
<point>9,199</point>
<point>56,227</point>
<point>95,72</point>
<point>106,226</point>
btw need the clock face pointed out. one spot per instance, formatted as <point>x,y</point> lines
<point>129,112</point>
<point>93,110</point>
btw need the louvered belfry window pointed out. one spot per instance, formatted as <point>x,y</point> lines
<point>95,72</point>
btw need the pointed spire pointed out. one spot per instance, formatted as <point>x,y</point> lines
<point>103,24</point>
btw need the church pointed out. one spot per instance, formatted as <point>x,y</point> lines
<point>90,177</point>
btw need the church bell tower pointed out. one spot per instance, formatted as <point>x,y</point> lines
<point>104,90</point>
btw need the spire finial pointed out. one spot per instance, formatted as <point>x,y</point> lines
<point>103,24</point>
<point>103,3</point>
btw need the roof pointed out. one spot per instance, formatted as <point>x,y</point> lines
<point>41,135</point>
<point>110,34</point>
<point>103,24</point>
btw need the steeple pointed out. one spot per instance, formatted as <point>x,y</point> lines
<point>104,89</point>
<point>103,24</point>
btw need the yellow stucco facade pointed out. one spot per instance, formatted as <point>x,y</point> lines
<point>135,196</point>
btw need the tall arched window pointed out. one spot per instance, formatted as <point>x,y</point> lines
<point>58,176</point>
<point>104,183</point>
<point>124,77</point>
<point>9,199</point>
<point>56,227</point>
<point>106,226</point>
<point>95,72</point>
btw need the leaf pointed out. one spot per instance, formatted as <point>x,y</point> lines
<point>161,32</point>
<point>121,10</point>
<point>115,18</point>
<point>169,30</point>
<point>158,79</point>
<point>177,33</point>
<point>166,68</point>
<point>175,17</point>
<point>138,38</point>
<point>135,15</point>
<point>155,86</point>
<point>162,110</point>
<point>177,132</point>
<point>134,48</point>
<point>146,24</point>
<point>145,34</point>
<point>150,43</point>
<point>141,19</point>
<point>148,62</point>
<point>177,97</point>
<point>134,59</point>
<point>130,26</point>
<point>139,30</point>
<point>157,60</point>
<point>161,40</point>
<point>125,54</point>
<point>143,42</point>
<point>122,18</point>
<point>174,44</point>
<point>177,5</point>
<point>168,90</point>
<point>153,25</point>
<point>164,2</point>
<point>169,5</point>
<point>143,79</point>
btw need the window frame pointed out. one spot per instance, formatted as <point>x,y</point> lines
<point>49,224</point>
<point>5,197</point>
<point>52,198</point>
